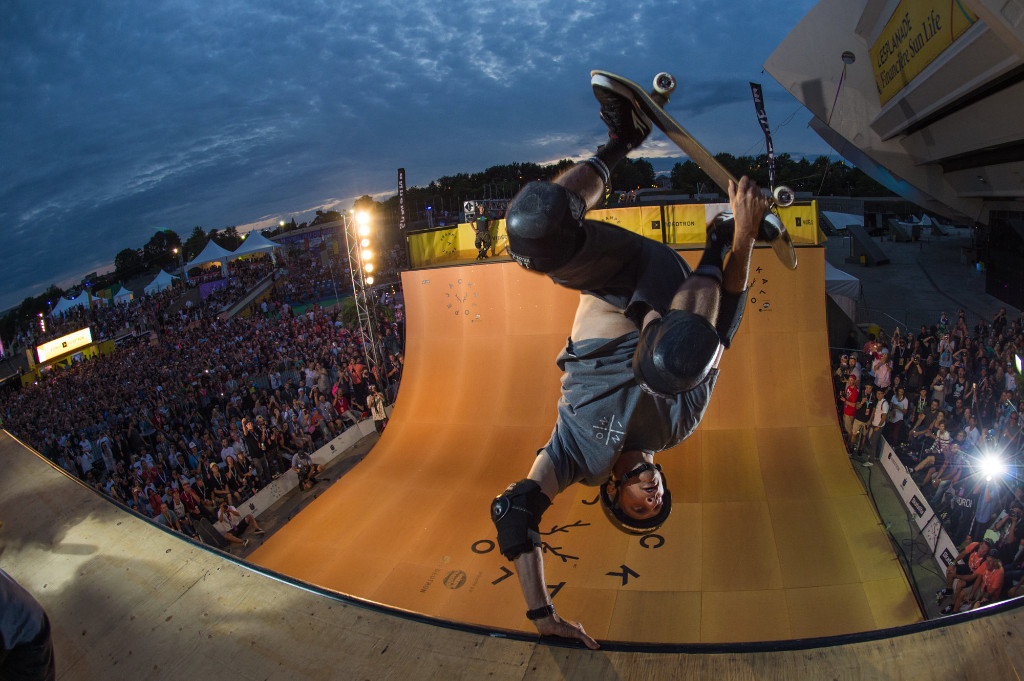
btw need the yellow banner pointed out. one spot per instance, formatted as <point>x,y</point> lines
<point>686,224</point>
<point>917,33</point>
<point>683,224</point>
<point>430,248</point>
<point>802,223</point>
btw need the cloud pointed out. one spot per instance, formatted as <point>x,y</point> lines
<point>122,116</point>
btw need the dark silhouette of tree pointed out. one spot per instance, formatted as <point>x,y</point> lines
<point>157,251</point>
<point>127,263</point>
<point>821,177</point>
<point>323,217</point>
<point>195,243</point>
<point>228,238</point>
<point>632,174</point>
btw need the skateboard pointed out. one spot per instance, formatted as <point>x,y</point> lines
<point>651,104</point>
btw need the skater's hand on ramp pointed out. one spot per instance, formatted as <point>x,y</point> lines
<point>556,626</point>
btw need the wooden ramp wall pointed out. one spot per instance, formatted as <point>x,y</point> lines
<point>772,536</point>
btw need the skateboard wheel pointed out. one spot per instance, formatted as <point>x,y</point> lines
<point>664,83</point>
<point>783,196</point>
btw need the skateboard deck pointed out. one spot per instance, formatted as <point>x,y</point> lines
<point>652,106</point>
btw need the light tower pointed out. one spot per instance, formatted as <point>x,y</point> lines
<point>361,266</point>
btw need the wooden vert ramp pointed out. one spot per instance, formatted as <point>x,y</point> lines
<point>772,535</point>
<point>129,600</point>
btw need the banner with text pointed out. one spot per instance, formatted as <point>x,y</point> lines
<point>762,118</point>
<point>401,199</point>
<point>917,33</point>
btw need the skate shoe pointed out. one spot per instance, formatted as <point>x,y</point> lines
<point>626,123</point>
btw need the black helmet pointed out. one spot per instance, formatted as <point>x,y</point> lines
<point>625,523</point>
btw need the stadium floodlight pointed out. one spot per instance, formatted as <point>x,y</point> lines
<point>991,465</point>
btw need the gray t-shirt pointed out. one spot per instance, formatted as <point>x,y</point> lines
<point>603,411</point>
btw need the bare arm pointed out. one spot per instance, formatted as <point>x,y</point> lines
<point>530,568</point>
<point>748,207</point>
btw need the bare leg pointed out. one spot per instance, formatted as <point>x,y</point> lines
<point>583,181</point>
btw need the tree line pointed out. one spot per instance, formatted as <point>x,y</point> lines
<point>821,177</point>
<point>446,195</point>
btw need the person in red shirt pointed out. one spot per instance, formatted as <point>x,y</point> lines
<point>851,394</point>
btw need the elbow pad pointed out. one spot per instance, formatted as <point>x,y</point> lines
<point>730,314</point>
<point>516,514</point>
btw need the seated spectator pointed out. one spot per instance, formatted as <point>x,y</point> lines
<point>235,525</point>
<point>986,586</point>
<point>306,469</point>
<point>169,518</point>
<point>964,570</point>
<point>935,456</point>
<point>922,435</point>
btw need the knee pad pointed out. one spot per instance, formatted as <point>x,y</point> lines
<point>675,353</point>
<point>543,226</point>
<point>516,514</point>
<point>730,314</point>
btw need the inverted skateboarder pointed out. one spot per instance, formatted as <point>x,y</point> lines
<point>641,360</point>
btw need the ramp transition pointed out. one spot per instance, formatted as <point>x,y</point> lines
<point>772,535</point>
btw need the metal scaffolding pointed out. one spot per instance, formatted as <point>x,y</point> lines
<point>362,294</point>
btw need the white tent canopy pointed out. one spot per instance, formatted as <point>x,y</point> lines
<point>160,282</point>
<point>212,253</point>
<point>63,305</point>
<point>255,243</point>
<point>844,289</point>
<point>123,295</point>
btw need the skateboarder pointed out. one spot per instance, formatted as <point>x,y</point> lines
<point>641,361</point>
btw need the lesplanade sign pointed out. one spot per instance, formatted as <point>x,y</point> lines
<point>917,33</point>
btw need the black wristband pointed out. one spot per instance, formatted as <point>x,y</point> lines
<point>541,612</point>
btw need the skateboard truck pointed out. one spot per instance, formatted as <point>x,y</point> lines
<point>652,103</point>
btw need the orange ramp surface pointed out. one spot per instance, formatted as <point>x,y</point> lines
<point>772,535</point>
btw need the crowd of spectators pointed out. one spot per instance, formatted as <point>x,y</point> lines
<point>948,401</point>
<point>186,426</point>
<point>243,275</point>
<point>106,320</point>
<point>321,274</point>
<point>312,278</point>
